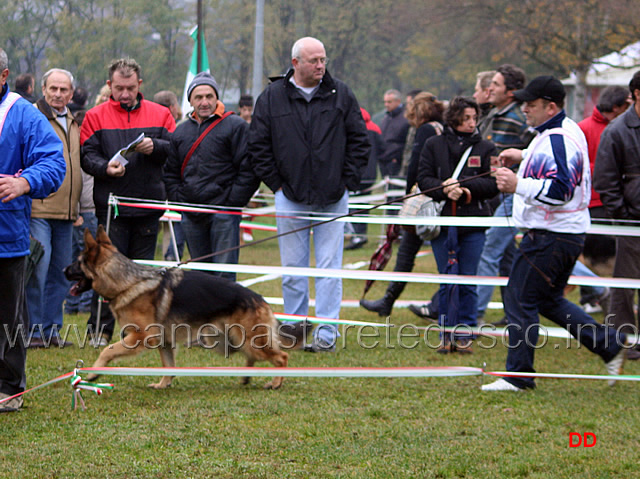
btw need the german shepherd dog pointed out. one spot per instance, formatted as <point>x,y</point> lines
<point>158,307</point>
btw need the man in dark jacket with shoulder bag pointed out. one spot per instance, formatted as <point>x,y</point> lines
<point>208,164</point>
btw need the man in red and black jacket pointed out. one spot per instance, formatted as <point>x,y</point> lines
<point>107,129</point>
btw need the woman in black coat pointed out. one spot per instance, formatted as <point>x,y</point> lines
<point>425,113</point>
<point>438,160</point>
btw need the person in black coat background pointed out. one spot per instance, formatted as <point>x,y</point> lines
<point>359,238</point>
<point>438,160</point>
<point>425,113</point>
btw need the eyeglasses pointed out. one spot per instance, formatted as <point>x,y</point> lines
<point>323,60</point>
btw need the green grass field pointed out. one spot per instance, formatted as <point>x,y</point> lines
<point>324,427</point>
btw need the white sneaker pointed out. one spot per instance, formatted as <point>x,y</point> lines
<point>614,367</point>
<point>501,385</point>
<point>592,308</point>
<point>99,342</point>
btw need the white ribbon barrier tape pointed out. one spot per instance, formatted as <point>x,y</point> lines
<point>363,372</point>
<point>479,221</point>
<point>354,303</point>
<point>350,372</point>
<point>426,372</point>
<point>366,201</point>
<point>544,332</point>
<point>428,278</point>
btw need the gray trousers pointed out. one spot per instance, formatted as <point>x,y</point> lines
<point>627,265</point>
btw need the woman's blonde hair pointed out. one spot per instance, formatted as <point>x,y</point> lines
<point>105,93</point>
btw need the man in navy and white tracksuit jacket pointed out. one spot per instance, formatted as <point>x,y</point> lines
<point>553,188</point>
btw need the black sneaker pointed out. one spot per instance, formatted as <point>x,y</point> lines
<point>319,345</point>
<point>502,322</point>
<point>423,311</point>
<point>356,242</point>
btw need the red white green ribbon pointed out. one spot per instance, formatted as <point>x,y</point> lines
<point>410,372</point>
<point>79,385</point>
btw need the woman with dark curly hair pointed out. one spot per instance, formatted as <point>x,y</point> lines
<point>438,160</point>
<point>425,113</point>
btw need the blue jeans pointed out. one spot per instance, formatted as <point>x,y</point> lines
<point>497,240</point>
<point>207,234</point>
<point>536,286</point>
<point>295,250</point>
<point>47,287</point>
<point>81,303</point>
<point>468,253</point>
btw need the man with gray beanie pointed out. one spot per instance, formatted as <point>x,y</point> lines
<point>208,165</point>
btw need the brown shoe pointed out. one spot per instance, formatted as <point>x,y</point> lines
<point>35,343</point>
<point>463,346</point>
<point>59,342</point>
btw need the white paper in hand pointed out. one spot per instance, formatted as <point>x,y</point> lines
<point>119,158</point>
<point>120,154</point>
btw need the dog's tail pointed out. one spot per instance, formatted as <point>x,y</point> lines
<point>293,335</point>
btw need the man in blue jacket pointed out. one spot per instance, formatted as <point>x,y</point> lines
<point>32,165</point>
<point>308,143</point>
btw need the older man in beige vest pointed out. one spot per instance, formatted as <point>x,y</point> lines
<point>52,218</point>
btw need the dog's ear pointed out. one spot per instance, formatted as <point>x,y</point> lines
<point>89,242</point>
<point>102,236</point>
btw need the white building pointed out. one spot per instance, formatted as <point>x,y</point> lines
<point>614,69</point>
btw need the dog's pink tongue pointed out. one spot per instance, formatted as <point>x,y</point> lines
<point>74,289</point>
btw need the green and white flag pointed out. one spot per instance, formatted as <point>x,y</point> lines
<point>193,68</point>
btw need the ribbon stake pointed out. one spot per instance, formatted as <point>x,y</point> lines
<point>78,384</point>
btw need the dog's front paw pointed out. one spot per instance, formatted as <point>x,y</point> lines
<point>159,385</point>
<point>92,377</point>
<point>276,383</point>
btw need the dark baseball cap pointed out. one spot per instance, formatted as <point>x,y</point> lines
<point>546,87</point>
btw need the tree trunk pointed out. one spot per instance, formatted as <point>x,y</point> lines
<point>581,92</point>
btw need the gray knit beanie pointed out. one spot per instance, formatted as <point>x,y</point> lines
<point>202,78</point>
